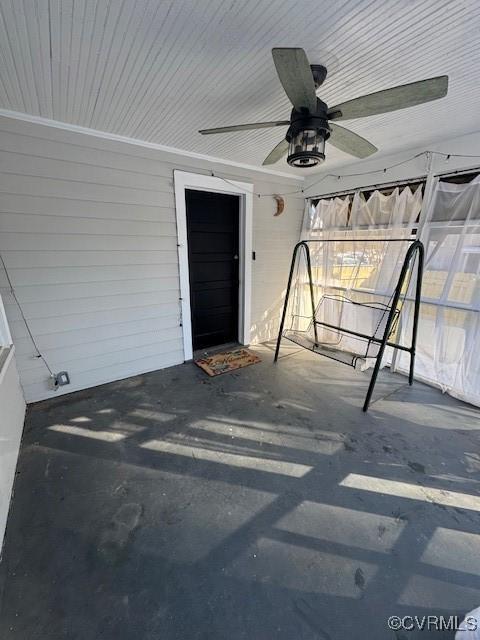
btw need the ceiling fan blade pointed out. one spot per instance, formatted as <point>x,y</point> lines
<point>245,127</point>
<point>350,142</point>
<point>276,153</point>
<point>296,77</point>
<point>401,97</point>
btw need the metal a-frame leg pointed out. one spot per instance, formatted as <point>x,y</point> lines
<point>415,247</point>
<point>416,311</point>
<point>312,297</point>
<point>287,295</point>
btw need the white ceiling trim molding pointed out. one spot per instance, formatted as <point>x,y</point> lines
<point>57,124</point>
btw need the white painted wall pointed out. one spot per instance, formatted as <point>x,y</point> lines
<point>12,414</point>
<point>87,230</point>
<point>323,183</point>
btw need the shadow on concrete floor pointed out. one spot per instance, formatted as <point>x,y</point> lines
<point>259,504</point>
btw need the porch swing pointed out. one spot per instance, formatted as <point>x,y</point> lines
<point>331,328</point>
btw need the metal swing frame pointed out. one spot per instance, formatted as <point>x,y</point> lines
<point>415,250</point>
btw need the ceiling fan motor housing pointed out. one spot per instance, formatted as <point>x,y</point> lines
<point>306,136</point>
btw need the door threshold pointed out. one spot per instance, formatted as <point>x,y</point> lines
<point>211,351</point>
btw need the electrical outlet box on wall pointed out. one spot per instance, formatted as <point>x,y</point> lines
<point>61,379</point>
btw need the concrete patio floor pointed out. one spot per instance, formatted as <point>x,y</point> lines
<point>261,504</point>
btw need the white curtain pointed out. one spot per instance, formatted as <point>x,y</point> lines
<point>383,217</point>
<point>448,349</point>
<point>355,269</point>
<point>327,220</point>
<point>388,218</point>
<point>354,277</point>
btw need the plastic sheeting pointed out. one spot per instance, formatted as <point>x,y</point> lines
<point>356,271</point>
<point>448,348</point>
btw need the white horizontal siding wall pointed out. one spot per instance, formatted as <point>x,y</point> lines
<point>88,233</point>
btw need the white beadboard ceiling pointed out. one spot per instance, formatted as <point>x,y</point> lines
<point>158,70</point>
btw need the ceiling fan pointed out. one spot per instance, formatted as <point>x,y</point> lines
<point>311,121</point>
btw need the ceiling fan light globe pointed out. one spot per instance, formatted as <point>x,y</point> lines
<point>306,148</point>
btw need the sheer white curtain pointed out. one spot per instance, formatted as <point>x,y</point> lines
<point>355,277</point>
<point>383,217</point>
<point>326,220</point>
<point>355,262</point>
<point>448,349</point>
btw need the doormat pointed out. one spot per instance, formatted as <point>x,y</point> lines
<point>227,361</point>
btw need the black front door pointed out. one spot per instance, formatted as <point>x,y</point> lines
<point>213,256</point>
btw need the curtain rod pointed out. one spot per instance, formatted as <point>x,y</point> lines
<point>383,185</point>
<point>458,172</point>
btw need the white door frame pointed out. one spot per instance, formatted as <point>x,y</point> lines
<point>182,181</point>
